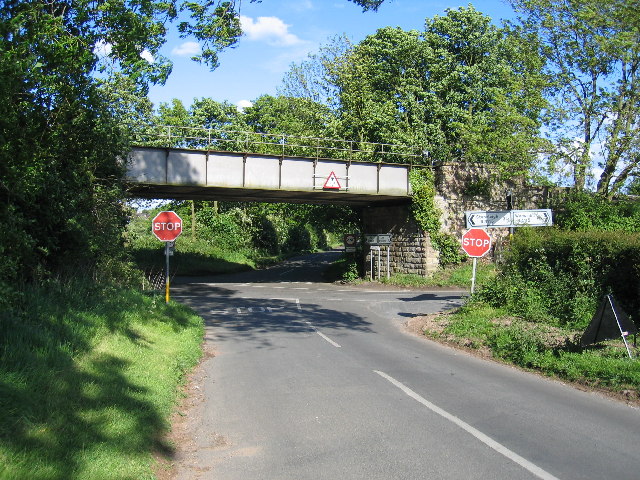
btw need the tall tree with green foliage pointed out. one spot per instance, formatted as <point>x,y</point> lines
<point>314,78</point>
<point>592,48</point>
<point>463,89</point>
<point>63,66</point>
<point>287,115</point>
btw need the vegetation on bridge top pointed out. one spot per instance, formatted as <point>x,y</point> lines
<point>280,144</point>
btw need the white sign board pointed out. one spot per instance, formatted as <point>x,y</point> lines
<point>509,218</point>
<point>488,219</point>
<point>532,218</point>
<point>378,239</point>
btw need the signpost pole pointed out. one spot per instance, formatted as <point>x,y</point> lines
<point>388,263</point>
<point>622,332</point>
<point>167,226</point>
<point>371,264</point>
<point>166,277</point>
<point>473,275</point>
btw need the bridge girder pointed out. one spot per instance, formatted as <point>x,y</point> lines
<point>183,174</point>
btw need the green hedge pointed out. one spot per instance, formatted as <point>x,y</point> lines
<point>561,276</point>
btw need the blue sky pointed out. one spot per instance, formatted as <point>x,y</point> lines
<point>280,32</point>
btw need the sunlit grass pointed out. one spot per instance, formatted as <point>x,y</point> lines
<point>539,346</point>
<point>89,377</point>
<point>456,276</point>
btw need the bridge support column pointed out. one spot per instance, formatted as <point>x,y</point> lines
<point>410,251</point>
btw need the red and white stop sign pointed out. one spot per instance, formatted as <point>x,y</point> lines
<point>476,242</point>
<point>166,226</point>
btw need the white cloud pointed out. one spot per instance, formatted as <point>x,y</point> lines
<point>242,104</point>
<point>301,5</point>
<point>102,48</point>
<point>186,49</point>
<point>146,54</point>
<point>269,29</point>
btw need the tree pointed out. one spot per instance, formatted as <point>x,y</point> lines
<point>63,66</point>
<point>314,78</point>
<point>461,90</point>
<point>288,116</point>
<point>592,48</point>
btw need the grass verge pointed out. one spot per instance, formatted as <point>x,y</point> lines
<point>455,276</point>
<point>346,269</point>
<point>199,257</point>
<point>88,379</point>
<point>550,350</point>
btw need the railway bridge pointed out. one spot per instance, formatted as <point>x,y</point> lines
<point>245,166</point>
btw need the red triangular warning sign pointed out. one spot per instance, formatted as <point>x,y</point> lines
<point>332,182</point>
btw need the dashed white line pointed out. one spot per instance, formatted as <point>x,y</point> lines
<point>328,339</point>
<point>490,442</point>
<point>323,335</point>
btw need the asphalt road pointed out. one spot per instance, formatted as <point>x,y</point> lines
<point>320,381</point>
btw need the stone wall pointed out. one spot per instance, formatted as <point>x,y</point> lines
<point>410,250</point>
<point>467,187</point>
<point>461,187</point>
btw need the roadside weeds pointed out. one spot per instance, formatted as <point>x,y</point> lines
<point>541,349</point>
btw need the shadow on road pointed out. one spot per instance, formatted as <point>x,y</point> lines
<point>423,297</point>
<point>254,319</point>
<point>305,268</point>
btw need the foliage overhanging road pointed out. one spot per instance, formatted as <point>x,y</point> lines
<point>314,381</point>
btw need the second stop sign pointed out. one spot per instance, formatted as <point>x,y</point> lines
<point>476,242</point>
<point>166,226</point>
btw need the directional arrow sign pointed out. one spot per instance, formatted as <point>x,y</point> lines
<point>509,218</point>
<point>488,219</point>
<point>532,218</point>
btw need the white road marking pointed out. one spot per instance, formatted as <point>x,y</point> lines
<point>498,447</point>
<point>328,339</point>
<point>323,335</point>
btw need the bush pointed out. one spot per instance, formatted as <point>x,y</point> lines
<point>222,229</point>
<point>582,211</point>
<point>554,275</point>
<point>298,239</point>
<point>517,344</point>
<point>345,269</point>
<point>265,236</point>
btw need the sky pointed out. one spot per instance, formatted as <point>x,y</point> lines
<point>278,33</point>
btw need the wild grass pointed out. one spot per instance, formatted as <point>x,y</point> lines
<point>453,276</point>
<point>546,348</point>
<point>88,378</point>
<point>199,257</point>
<point>191,257</point>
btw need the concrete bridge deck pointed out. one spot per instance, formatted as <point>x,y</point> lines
<point>180,173</point>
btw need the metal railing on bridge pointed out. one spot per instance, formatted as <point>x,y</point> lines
<point>197,138</point>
